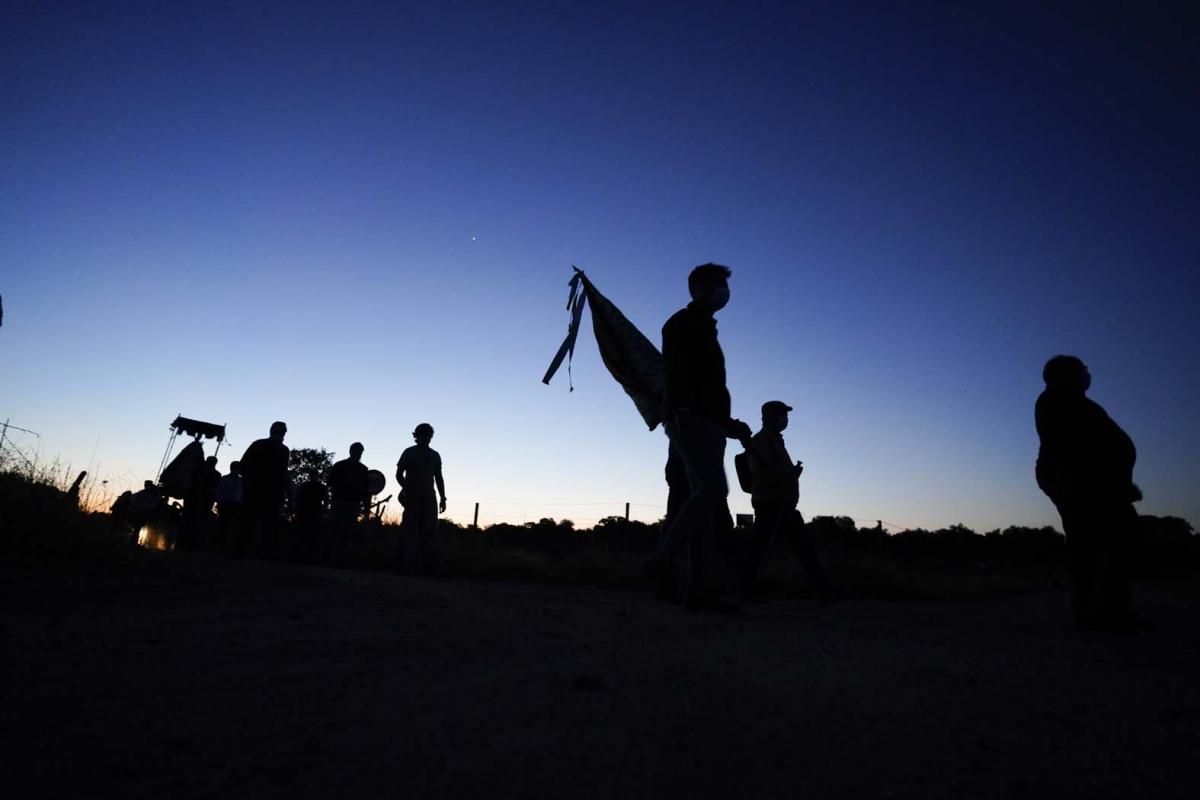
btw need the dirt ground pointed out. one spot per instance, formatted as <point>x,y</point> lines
<point>198,677</point>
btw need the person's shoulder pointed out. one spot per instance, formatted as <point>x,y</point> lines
<point>761,442</point>
<point>679,319</point>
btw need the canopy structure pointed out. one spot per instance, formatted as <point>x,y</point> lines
<point>630,357</point>
<point>194,427</point>
<point>191,427</point>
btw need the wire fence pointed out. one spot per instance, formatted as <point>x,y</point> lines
<point>98,493</point>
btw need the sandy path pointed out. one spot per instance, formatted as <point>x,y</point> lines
<point>203,678</point>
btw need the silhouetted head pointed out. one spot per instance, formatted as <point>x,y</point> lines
<point>709,286</point>
<point>211,461</point>
<point>423,433</point>
<point>235,468</point>
<point>356,451</point>
<point>147,484</point>
<point>1066,373</point>
<point>775,415</point>
<point>278,429</point>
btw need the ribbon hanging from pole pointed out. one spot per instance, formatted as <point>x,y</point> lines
<point>575,302</point>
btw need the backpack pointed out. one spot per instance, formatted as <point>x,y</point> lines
<point>745,474</point>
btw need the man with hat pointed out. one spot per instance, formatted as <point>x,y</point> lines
<point>775,494</point>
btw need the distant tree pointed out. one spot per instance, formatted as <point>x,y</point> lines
<point>1168,527</point>
<point>309,464</point>
<point>1166,546</point>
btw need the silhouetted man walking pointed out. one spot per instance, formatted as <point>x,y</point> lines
<point>349,495</point>
<point>264,487</point>
<point>774,496</point>
<point>1085,466</point>
<point>419,472</point>
<point>697,420</point>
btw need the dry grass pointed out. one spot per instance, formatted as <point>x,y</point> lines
<point>41,523</point>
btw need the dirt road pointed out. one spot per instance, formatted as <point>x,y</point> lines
<point>196,677</point>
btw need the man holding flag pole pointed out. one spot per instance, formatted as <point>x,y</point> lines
<point>696,414</point>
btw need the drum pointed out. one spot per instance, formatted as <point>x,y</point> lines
<point>375,481</point>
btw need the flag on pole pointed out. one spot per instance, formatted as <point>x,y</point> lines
<point>630,357</point>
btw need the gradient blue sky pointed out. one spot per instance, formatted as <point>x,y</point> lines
<point>358,216</point>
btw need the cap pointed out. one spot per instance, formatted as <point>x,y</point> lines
<point>775,407</point>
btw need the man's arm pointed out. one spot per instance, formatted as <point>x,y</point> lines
<point>441,484</point>
<point>736,429</point>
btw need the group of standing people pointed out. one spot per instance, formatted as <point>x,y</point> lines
<point>252,498</point>
<point>1085,466</point>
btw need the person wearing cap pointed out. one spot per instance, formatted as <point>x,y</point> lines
<point>1085,466</point>
<point>264,488</point>
<point>423,495</point>
<point>697,418</point>
<point>775,495</point>
<point>350,493</point>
